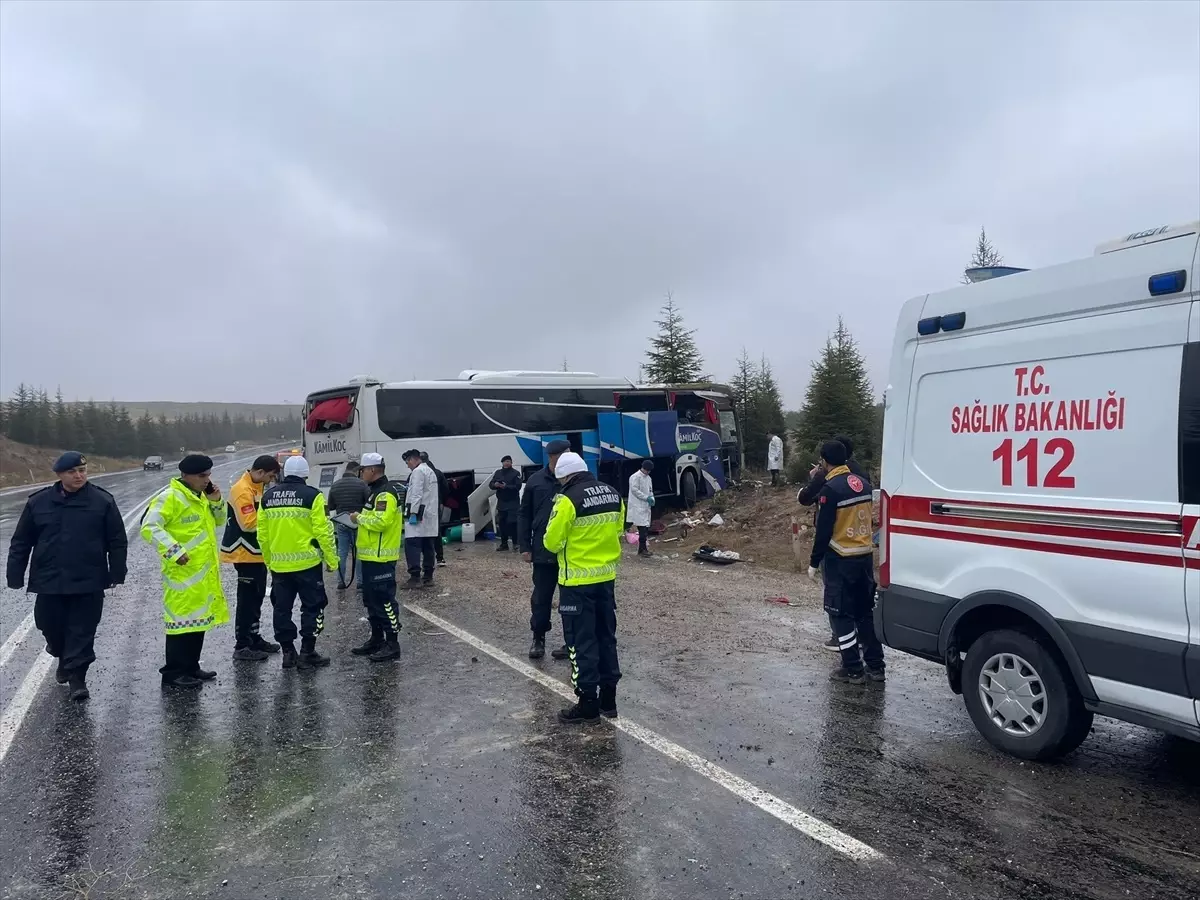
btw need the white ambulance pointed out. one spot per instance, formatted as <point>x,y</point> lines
<point>1040,497</point>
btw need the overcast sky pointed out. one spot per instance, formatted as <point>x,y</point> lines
<point>250,201</point>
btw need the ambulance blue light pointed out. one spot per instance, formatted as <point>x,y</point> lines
<point>929,326</point>
<point>954,321</point>
<point>1168,283</point>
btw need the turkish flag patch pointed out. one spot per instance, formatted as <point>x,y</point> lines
<point>855,483</point>
<point>247,509</point>
<point>380,503</point>
<point>821,499</point>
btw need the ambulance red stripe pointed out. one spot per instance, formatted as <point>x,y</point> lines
<point>1015,543</point>
<point>917,509</point>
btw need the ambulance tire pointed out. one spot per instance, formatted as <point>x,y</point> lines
<point>1066,721</point>
<point>688,489</point>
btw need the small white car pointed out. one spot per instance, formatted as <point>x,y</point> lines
<point>231,449</point>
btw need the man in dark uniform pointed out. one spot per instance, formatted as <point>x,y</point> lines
<point>809,493</point>
<point>843,551</point>
<point>536,503</point>
<point>74,532</point>
<point>507,485</point>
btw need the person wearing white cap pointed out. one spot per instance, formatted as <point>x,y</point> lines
<point>380,532</point>
<point>585,530</point>
<point>296,536</point>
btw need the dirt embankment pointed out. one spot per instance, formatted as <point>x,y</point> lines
<point>757,525</point>
<point>22,464</point>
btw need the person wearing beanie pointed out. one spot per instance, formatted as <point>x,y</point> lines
<point>536,503</point>
<point>239,548</point>
<point>506,482</point>
<point>379,538</point>
<point>181,524</point>
<point>296,537</point>
<point>74,534</point>
<point>585,530</point>
<point>347,496</point>
<point>844,552</point>
<point>641,499</point>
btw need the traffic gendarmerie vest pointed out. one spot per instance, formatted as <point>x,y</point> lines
<point>294,533</point>
<point>586,524</point>
<point>844,517</point>
<point>380,526</point>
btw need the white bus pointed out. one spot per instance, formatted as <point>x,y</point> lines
<point>468,424</point>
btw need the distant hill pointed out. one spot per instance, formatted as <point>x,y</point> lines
<point>174,410</point>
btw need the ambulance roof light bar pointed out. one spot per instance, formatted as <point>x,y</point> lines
<point>1149,236</point>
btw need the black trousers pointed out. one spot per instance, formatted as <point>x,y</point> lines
<point>309,585</point>
<point>251,589</point>
<point>183,654</point>
<point>379,597</point>
<point>849,599</point>
<point>506,525</point>
<point>589,614</point>
<point>643,535</point>
<point>420,555</point>
<point>68,623</point>
<point>541,601</point>
<point>438,547</point>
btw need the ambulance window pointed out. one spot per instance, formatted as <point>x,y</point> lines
<point>1189,425</point>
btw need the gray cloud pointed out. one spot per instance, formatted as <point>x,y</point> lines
<point>213,200</point>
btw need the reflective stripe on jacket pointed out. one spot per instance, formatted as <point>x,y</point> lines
<point>239,544</point>
<point>843,517</point>
<point>293,530</point>
<point>585,530</point>
<point>180,521</point>
<point>380,526</point>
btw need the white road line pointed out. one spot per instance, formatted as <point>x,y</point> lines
<point>769,803</point>
<point>14,640</point>
<point>19,706</point>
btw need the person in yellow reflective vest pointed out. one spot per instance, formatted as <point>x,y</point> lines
<point>181,523</point>
<point>239,546</point>
<point>295,537</point>
<point>377,543</point>
<point>585,530</point>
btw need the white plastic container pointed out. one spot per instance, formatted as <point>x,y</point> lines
<point>468,532</point>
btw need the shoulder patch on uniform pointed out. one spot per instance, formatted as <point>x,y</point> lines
<point>381,502</point>
<point>247,509</point>
<point>822,499</point>
<point>855,483</point>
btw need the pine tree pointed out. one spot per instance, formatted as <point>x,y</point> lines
<point>985,255</point>
<point>673,357</point>
<point>839,400</point>
<point>768,407</point>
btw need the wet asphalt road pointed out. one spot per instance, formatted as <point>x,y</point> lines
<point>444,776</point>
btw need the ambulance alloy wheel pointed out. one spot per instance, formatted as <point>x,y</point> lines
<point>1021,697</point>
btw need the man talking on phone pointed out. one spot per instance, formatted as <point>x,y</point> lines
<point>181,524</point>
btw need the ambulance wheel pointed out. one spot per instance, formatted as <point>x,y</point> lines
<point>1021,697</point>
<point>688,489</point>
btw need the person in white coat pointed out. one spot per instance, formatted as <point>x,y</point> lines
<point>421,523</point>
<point>641,498</point>
<point>775,458</point>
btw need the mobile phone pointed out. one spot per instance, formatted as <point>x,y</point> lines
<point>210,488</point>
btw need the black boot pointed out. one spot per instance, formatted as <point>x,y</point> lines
<point>181,681</point>
<point>309,657</point>
<point>249,654</point>
<point>876,675</point>
<point>374,642</point>
<point>538,648</point>
<point>258,642</point>
<point>585,711</point>
<point>608,701</point>
<point>289,655</point>
<point>848,676</point>
<point>204,674</point>
<point>832,645</point>
<point>503,548</point>
<point>389,649</point>
<point>61,675</point>
<point>562,652</point>
<point>79,689</point>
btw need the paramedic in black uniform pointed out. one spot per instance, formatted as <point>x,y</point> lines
<point>843,551</point>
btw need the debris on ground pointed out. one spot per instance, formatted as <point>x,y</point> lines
<point>716,520</point>
<point>712,554</point>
